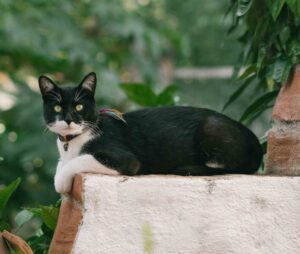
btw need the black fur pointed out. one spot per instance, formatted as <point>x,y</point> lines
<point>164,140</point>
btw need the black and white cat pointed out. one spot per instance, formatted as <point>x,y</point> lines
<point>164,140</point>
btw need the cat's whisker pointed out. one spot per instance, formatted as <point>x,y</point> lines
<point>46,131</point>
<point>92,130</point>
<point>92,127</point>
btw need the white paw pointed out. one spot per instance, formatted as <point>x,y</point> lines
<point>63,182</point>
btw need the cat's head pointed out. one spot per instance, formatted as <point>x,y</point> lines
<point>69,110</point>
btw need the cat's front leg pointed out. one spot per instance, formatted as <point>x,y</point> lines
<point>123,161</point>
<point>84,163</point>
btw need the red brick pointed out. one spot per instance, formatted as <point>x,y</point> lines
<point>283,153</point>
<point>70,216</point>
<point>76,192</point>
<point>287,106</point>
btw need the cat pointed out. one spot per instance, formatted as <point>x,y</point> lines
<point>163,140</point>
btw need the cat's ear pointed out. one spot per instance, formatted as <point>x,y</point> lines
<point>46,85</point>
<point>89,82</point>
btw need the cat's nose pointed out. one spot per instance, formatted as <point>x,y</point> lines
<point>68,119</point>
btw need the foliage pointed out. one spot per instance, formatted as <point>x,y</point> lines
<point>5,195</point>
<point>271,48</point>
<point>23,153</point>
<point>73,37</point>
<point>40,240</point>
<point>202,29</point>
<point>48,215</point>
<point>144,95</point>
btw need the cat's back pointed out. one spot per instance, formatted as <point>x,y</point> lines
<point>171,126</point>
<point>178,118</point>
<point>167,115</point>
<point>173,121</point>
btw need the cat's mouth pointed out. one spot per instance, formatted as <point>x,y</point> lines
<point>64,129</point>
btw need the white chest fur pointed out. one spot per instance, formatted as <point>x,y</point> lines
<point>72,162</point>
<point>74,147</point>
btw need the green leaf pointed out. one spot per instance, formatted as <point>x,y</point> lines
<point>284,36</point>
<point>140,94</point>
<point>48,214</point>
<point>294,50</point>
<point>262,52</point>
<point>4,225</point>
<point>166,97</point>
<point>270,83</point>
<point>47,231</point>
<point>276,7</point>
<point>243,7</point>
<point>249,71</point>
<point>294,5</point>
<point>39,243</point>
<point>291,3</point>
<point>281,70</point>
<point>23,217</point>
<point>258,106</point>
<point>6,193</point>
<point>238,92</point>
<point>235,19</point>
<point>286,72</point>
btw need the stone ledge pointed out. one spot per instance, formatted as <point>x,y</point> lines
<point>174,214</point>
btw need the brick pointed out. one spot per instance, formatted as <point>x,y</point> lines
<point>77,188</point>
<point>283,153</point>
<point>288,101</point>
<point>70,216</point>
<point>17,242</point>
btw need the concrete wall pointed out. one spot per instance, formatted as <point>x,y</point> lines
<point>188,215</point>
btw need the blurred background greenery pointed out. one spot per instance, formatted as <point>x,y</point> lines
<point>154,42</point>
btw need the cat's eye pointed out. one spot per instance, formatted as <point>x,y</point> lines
<point>79,107</point>
<point>57,108</point>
